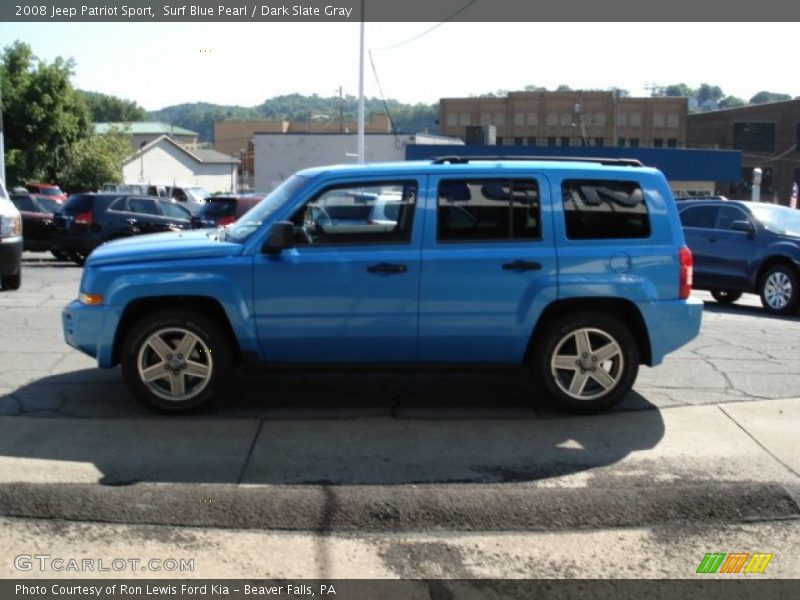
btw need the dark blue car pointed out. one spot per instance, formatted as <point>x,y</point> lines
<point>745,247</point>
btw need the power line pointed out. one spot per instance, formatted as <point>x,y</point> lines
<point>427,31</point>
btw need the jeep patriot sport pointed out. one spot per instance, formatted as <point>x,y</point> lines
<point>575,269</point>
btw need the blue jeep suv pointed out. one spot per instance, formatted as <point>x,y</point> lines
<point>574,269</point>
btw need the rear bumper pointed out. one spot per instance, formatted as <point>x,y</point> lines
<point>672,324</point>
<point>10,256</point>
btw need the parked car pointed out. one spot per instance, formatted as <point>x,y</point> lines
<point>88,220</point>
<point>694,198</point>
<point>744,247</point>
<point>38,222</point>
<point>135,188</point>
<point>193,197</point>
<point>46,189</point>
<point>10,243</point>
<point>576,270</point>
<point>354,212</point>
<point>224,209</point>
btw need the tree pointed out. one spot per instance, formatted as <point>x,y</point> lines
<point>44,115</point>
<point>111,109</point>
<point>95,160</point>
<point>731,102</point>
<point>764,97</point>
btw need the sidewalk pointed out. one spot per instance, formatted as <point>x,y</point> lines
<point>628,494</point>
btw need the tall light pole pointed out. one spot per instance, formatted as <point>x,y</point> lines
<point>360,134</point>
<point>2,146</point>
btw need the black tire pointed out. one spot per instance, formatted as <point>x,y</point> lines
<point>779,290</point>
<point>11,282</point>
<point>209,356</point>
<point>59,254</point>
<point>79,258</point>
<point>616,373</point>
<point>726,296</point>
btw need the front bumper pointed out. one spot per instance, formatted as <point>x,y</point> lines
<point>83,327</point>
<point>10,255</point>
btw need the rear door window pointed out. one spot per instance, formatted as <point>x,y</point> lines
<point>604,209</point>
<point>488,209</point>
<point>144,206</point>
<point>703,217</point>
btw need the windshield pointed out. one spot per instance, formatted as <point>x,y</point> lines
<point>51,191</point>
<point>253,218</point>
<point>778,219</point>
<point>198,194</point>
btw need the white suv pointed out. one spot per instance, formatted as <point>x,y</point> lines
<point>10,243</point>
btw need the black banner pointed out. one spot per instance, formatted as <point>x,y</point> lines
<point>705,587</point>
<point>405,10</point>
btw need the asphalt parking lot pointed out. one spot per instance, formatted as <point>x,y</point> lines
<point>403,475</point>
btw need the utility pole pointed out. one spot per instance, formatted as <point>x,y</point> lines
<point>341,110</point>
<point>2,143</point>
<point>360,135</point>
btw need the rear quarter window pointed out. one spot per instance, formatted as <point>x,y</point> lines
<point>604,209</point>
<point>79,203</point>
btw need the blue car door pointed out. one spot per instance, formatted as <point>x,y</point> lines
<point>489,266</point>
<point>348,291</point>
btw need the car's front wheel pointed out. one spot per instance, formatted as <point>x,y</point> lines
<point>779,290</point>
<point>726,296</point>
<point>586,362</point>
<point>11,282</point>
<point>176,360</point>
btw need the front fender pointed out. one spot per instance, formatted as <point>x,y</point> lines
<point>227,281</point>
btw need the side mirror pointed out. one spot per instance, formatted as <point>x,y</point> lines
<point>745,226</point>
<point>280,237</point>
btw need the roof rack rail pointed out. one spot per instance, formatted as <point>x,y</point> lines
<point>458,159</point>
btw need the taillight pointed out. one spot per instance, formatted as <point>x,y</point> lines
<point>685,260</point>
<point>225,220</point>
<point>84,218</point>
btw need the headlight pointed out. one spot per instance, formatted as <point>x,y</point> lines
<point>10,226</point>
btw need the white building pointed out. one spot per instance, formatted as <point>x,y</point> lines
<point>279,155</point>
<point>164,161</point>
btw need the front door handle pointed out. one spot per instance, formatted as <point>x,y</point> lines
<point>522,265</point>
<point>387,268</point>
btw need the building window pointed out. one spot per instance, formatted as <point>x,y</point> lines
<point>658,143</point>
<point>531,141</point>
<point>635,120</point>
<point>551,141</point>
<point>672,143</point>
<point>621,142</point>
<point>518,141</point>
<point>565,141</point>
<point>599,142</point>
<point>754,136</point>
<point>499,141</point>
<point>634,143</point>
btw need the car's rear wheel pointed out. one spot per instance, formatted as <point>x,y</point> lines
<point>59,254</point>
<point>11,282</point>
<point>78,257</point>
<point>779,290</point>
<point>587,362</point>
<point>726,296</point>
<point>176,360</point>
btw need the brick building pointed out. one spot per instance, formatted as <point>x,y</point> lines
<point>766,134</point>
<point>570,119</point>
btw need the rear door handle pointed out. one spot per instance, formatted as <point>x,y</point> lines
<point>387,268</point>
<point>522,265</point>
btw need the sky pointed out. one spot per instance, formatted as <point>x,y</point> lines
<point>163,64</point>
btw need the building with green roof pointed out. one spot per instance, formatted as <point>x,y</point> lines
<point>144,132</point>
